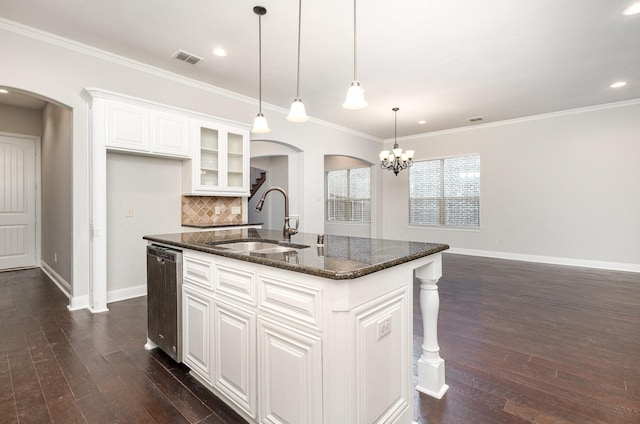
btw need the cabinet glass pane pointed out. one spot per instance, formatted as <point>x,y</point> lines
<point>209,157</point>
<point>235,160</point>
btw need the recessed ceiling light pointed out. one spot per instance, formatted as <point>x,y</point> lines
<point>3,91</point>
<point>422,122</point>
<point>634,9</point>
<point>618,84</point>
<point>220,52</point>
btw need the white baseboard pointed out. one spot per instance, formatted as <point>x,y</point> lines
<point>126,293</point>
<point>613,266</point>
<point>63,285</point>
<point>78,302</point>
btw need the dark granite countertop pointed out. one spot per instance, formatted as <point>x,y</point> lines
<point>340,257</point>
<point>221,225</point>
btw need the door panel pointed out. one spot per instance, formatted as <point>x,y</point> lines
<point>17,202</point>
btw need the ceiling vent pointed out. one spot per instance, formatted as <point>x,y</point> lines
<point>475,119</point>
<point>187,57</point>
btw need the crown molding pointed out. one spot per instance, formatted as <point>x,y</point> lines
<point>604,106</point>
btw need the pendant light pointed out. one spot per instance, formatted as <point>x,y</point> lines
<point>397,159</point>
<point>355,95</point>
<point>297,112</point>
<point>260,123</point>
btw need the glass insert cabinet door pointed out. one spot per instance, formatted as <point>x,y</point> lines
<point>235,160</point>
<point>209,157</point>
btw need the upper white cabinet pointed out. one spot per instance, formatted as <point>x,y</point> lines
<point>215,151</point>
<point>142,129</point>
<point>219,163</point>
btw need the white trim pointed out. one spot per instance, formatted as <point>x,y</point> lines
<point>75,303</point>
<point>585,263</point>
<point>63,285</point>
<point>66,43</point>
<point>126,293</point>
<point>78,302</point>
<point>585,109</point>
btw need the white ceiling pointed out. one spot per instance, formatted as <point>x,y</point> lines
<point>442,61</point>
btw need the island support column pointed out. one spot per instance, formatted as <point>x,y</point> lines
<point>430,364</point>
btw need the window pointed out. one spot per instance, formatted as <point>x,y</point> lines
<point>348,195</point>
<point>445,192</point>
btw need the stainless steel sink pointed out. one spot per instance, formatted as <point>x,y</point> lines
<point>264,247</point>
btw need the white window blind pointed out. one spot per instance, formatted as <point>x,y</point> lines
<point>445,192</point>
<point>348,195</point>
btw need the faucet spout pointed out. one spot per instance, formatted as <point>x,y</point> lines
<point>288,230</point>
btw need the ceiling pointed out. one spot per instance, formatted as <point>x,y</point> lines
<point>439,61</point>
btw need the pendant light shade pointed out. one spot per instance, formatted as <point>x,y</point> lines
<point>297,112</point>
<point>355,95</point>
<point>260,122</point>
<point>260,125</point>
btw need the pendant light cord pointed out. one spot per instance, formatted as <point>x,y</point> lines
<point>260,63</point>
<point>395,128</point>
<point>299,30</point>
<point>355,66</point>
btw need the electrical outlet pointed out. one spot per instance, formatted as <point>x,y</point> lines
<point>217,210</point>
<point>129,213</point>
<point>384,327</point>
<point>236,210</point>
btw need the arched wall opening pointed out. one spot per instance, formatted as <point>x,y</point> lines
<point>49,123</point>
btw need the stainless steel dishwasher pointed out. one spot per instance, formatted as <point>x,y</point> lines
<point>164,300</point>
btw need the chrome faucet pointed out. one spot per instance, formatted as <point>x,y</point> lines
<point>287,231</point>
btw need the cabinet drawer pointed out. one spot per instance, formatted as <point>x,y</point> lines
<point>296,303</point>
<point>197,270</point>
<point>235,283</point>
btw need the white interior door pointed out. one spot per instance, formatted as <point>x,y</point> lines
<point>17,202</point>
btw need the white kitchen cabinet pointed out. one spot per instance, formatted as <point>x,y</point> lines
<point>234,354</point>
<point>290,374</point>
<point>287,347</point>
<point>170,134</point>
<point>219,165</point>
<point>196,332</point>
<point>139,128</point>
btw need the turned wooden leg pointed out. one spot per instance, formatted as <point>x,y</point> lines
<point>430,364</point>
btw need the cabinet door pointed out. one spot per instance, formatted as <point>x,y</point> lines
<point>196,342</point>
<point>208,175</point>
<point>220,161</point>
<point>234,353</point>
<point>127,127</point>
<point>236,161</point>
<point>170,134</point>
<point>290,375</point>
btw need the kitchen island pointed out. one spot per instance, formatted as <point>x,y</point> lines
<point>288,331</point>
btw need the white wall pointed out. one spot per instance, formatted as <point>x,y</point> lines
<point>20,120</point>
<point>150,188</point>
<point>57,194</point>
<point>552,187</point>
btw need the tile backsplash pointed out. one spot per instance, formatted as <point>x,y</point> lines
<point>202,210</point>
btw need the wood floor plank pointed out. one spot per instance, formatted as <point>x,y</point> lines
<point>151,398</point>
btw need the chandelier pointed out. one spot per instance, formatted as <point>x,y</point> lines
<point>396,160</point>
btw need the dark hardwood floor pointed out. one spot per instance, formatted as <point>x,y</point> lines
<point>523,343</point>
